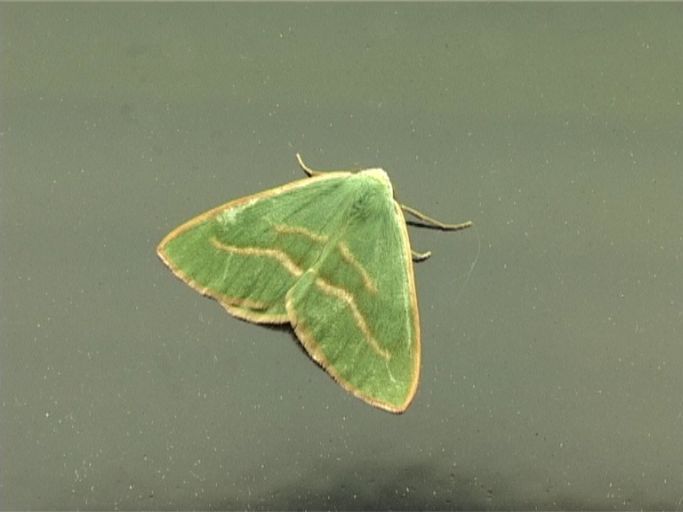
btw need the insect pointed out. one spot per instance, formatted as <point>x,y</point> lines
<point>328,254</point>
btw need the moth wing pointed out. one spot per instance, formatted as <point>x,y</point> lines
<point>355,311</point>
<point>248,253</point>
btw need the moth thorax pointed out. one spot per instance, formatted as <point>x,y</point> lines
<point>379,175</point>
<point>371,194</point>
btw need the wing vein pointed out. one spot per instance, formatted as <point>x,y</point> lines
<point>277,255</point>
<point>345,296</point>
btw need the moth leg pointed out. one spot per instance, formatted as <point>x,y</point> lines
<point>433,223</point>
<point>420,256</point>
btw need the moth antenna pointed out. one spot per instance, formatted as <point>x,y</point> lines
<point>312,172</point>
<point>433,223</point>
<point>306,168</point>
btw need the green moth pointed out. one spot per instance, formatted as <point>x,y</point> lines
<point>328,254</point>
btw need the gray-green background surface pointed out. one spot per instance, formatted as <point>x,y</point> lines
<point>552,330</point>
